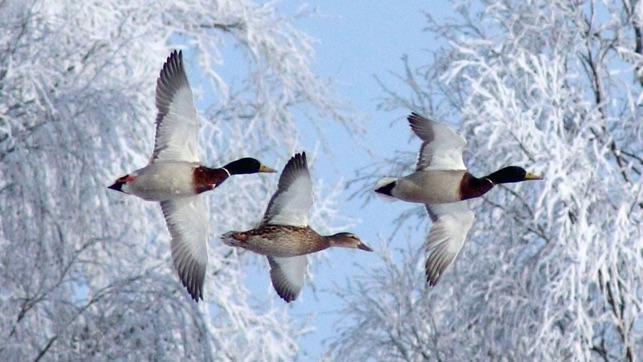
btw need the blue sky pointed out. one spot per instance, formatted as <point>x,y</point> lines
<point>357,41</point>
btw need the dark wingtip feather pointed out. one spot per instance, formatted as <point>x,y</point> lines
<point>436,264</point>
<point>298,161</point>
<point>416,120</point>
<point>170,79</point>
<point>192,280</point>
<point>295,165</point>
<point>432,277</point>
<point>286,295</point>
<point>286,291</point>
<point>414,116</point>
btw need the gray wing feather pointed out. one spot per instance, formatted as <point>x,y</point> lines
<point>441,147</point>
<point>294,196</point>
<point>451,223</point>
<point>287,275</point>
<point>187,222</point>
<point>177,125</point>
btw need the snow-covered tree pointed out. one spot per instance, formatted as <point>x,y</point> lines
<point>85,273</point>
<point>551,271</point>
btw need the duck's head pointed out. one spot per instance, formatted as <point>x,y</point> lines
<point>511,174</point>
<point>247,165</point>
<point>348,240</point>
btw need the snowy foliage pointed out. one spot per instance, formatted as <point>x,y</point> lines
<point>85,273</point>
<point>551,271</point>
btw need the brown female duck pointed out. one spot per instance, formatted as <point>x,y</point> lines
<point>284,235</point>
<point>176,178</point>
<point>442,182</point>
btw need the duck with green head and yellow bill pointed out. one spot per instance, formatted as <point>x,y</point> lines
<point>176,178</point>
<point>442,183</point>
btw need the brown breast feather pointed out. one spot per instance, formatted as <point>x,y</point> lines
<point>472,187</point>
<point>206,179</point>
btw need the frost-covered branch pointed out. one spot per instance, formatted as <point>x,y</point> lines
<point>550,271</point>
<point>86,273</point>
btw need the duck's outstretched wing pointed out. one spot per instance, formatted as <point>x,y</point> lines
<point>287,275</point>
<point>188,224</point>
<point>177,125</point>
<point>442,147</point>
<point>451,223</point>
<point>294,196</point>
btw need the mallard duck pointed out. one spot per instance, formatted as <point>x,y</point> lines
<point>176,178</point>
<point>442,182</point>
<point>284,235</point>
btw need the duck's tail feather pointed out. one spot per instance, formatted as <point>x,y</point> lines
<point>118,186</point>
<point>385,186</point>
<point>234,238</point>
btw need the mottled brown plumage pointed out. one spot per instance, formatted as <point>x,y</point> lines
<point>287,241</point>
<point>284,235</point>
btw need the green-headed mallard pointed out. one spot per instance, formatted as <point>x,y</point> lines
<point>176,178</point>
<point>442,182</point>
<point>284,235</point>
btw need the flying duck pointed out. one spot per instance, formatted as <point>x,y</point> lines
<point>442,183</point>
<point>176,178</point>
<point>284,235</point>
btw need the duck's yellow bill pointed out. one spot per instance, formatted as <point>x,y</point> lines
<point>267,169</point>
<point>531,176</point>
